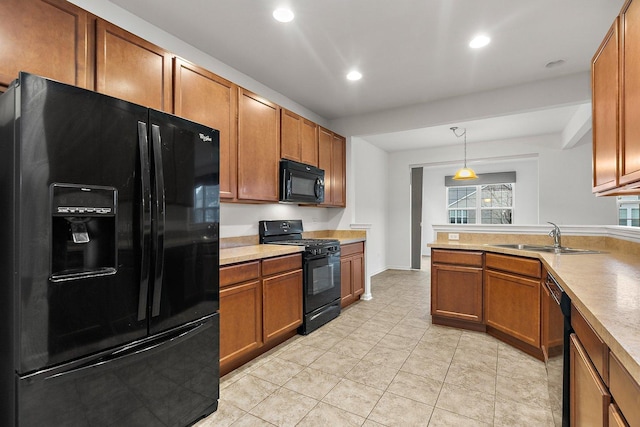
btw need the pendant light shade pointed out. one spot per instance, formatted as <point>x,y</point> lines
<point>464,173</point>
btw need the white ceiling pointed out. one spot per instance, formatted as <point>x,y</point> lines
<point>409,51</point>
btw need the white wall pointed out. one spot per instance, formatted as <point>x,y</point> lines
<point>371,199</point>
<point>565,188</point>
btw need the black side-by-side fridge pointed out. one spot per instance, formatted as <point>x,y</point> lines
<point>109,261</point>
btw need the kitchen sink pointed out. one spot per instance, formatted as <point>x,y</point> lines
<point>543,248</point>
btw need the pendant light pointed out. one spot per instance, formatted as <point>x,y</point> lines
<point>465,173</point>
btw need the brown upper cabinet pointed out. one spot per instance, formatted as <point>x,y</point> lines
<point>615,79</point>
<point>604,81</point>
<point>48,38</point>
<point>298,139</point>
<point>332,158</point>
<point>58,40</point>
<point>131,68</point>
<point>258,148</point>
<point>206,98</point>
<point>630,93</point>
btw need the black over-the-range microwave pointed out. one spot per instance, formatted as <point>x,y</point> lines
<point>300,183</point>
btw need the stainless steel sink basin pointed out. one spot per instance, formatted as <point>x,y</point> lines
<point>542,248</point>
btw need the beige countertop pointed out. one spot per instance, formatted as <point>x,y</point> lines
<point>246,248</point>
<point>605,288</point>
<point>255,252</point>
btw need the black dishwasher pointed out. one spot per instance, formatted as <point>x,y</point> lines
<point>557,361</point>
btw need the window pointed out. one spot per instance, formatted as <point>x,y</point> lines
<point>490,203</point>
<point>205,199</point>
<point>629,211</point>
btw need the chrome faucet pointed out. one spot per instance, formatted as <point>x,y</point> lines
<point>555,233</point>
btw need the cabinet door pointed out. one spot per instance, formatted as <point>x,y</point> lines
<point>290,137</point>
<point>298,139</point>
<point>309,142</point>
<point>357,269</point>
<point>615,417</point>
<point>512,305</point>
<point>282,303</point>
<point>325,143</point>
<point>240,320</point>
<point>203,97</point>
<point>338,171</point>
<point>131,68</point>
<point>588,396</point>
<point>624,390</point>
<point>630,94</point>
<point>604,81</point>
<point>456,292</point>
<point>258,148</point>
<point>346,283</point>
<point>332,158</point>
<point>48,38</point>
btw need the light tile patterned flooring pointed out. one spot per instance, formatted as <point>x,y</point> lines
<point>382,363</point>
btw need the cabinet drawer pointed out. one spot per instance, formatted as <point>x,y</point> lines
<point>472,259</point>
<point>280,264</point>
<point>352,248</point>
<point>522,266</point>
<point>625,391</point>
<point>239,273</point>
<point>596,348</point>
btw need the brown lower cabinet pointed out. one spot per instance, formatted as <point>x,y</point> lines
<point>515,308</point>
<point>625,391</point>
<point>351,272</point>
<point>260,307</point>
<point>512,300</point>
<point>615,417</point>
<point>456,288</point>
<point>589,396</point>
<point>602,392</point>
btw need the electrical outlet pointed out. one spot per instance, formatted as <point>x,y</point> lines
<point>454,236</point>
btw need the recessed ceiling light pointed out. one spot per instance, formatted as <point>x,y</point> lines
<point>479,41</point>
<point>354,75</point>
<point>283,14</point>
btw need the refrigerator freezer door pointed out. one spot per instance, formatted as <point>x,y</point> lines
<point>186,220</point>
<point>168,380</point>
<point>74,150</point>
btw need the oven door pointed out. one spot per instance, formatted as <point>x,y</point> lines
<point>321,281</point>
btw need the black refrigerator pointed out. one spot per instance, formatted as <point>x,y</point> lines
<point>109,261</point>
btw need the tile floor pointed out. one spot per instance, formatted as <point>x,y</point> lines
<point>382,363</point>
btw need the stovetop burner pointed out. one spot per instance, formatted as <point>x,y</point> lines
<point>290,233</point>
<point>307,242</point>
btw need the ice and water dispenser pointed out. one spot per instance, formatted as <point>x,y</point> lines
<point>84,227</point>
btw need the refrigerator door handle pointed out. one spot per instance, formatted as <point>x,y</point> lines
<point>160,219</point>
<point>145,219</point>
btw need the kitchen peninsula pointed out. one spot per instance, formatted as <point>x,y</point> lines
<point>604,289</point>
